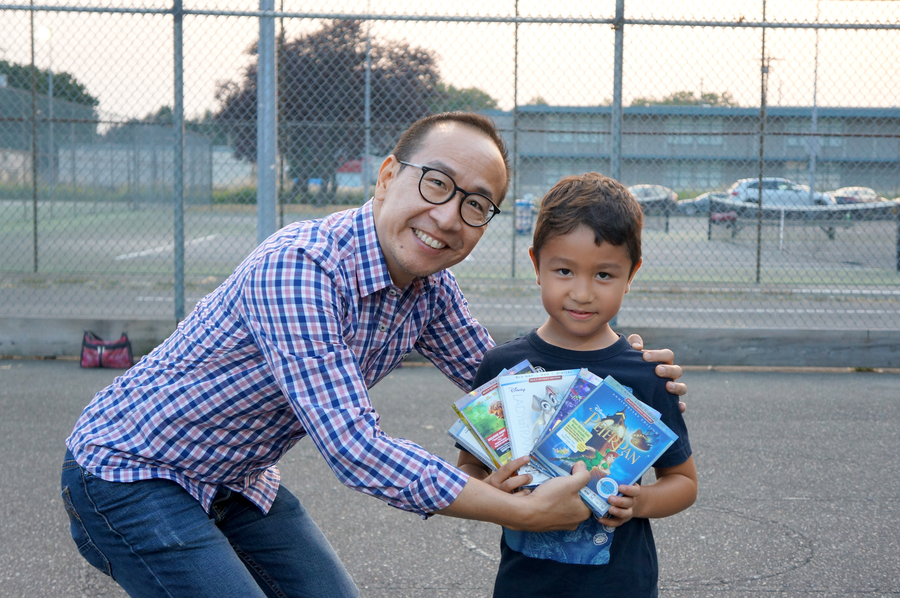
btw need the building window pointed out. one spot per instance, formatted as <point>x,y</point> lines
<point>685,130</point>
<point>800,131</point>
<point>555,170</point>
<point>828,175</point>
<point>559,128</point>
<point>694,176</point>
<point>679,131</point>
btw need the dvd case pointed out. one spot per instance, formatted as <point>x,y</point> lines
<point>614,434</point>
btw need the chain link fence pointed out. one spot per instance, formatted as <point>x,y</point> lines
<point>131,161</point>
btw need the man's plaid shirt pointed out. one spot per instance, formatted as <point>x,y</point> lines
<point>287,347</point>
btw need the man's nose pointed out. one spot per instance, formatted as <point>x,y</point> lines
<point>446,215</point>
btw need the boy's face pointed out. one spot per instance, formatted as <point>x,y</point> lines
<point>582,287</point>
<point>419,238</point>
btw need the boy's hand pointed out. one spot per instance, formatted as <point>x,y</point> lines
<point>506,478</point>
<point>667,369</point>
<point>621,507</point>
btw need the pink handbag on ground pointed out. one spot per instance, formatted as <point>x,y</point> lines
<point>98,353</point>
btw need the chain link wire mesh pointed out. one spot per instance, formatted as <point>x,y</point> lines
<point>714,99</point>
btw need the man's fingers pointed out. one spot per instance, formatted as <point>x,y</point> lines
<point>636,341</point>
<point>660,356</point>
<point>677,388</point>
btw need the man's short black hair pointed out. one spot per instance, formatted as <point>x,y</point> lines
<point>413,137</point>
<point>596,201</point>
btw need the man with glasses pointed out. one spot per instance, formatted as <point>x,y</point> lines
<point>170,478</point>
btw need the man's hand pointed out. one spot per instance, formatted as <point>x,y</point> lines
<point>666,369</point>
<point>556,503</point>
<point>507,478</point>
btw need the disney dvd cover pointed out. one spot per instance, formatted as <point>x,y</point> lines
<point>614,434</point>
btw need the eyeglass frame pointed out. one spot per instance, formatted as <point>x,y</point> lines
<point>456,188</point>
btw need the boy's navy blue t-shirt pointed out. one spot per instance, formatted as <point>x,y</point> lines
<point>593,560</point>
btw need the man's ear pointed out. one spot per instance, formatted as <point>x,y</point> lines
<point>534,262</point>
<point>634,270</point>
<point>386,175</point>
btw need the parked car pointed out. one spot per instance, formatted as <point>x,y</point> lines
<point>654,199</point>
<point>699,204</point>
<point>850,195</point>
<point>777,192</point>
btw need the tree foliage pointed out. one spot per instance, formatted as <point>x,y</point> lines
<point>688,98</point>
<point>448,98</point>
<point>65,86</point>
<point>322,83</point>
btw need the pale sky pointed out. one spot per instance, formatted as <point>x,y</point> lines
<point>126,60</point>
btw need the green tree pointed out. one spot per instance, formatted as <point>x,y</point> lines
<point>322,83</point>
<point>65,86</point>
<point>448,98</point>
<point>688,98</point>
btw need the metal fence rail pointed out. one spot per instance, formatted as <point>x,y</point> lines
<point>145,149</point>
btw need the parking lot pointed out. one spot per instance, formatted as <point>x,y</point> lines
<point>798,490</point>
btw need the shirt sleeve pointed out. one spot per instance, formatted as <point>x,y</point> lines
<point>454,341</point>
<point>294,309</point>
<point>667,405</point>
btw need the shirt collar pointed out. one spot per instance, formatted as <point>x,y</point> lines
<point>372,273</point>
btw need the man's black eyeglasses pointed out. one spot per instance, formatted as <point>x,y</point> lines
<point>437,187</point>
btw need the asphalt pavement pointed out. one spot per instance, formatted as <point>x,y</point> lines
<point>799,488</point>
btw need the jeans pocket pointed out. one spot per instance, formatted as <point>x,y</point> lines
<point>83,541</point>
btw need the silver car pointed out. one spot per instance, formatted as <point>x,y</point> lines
<point>777,192</point>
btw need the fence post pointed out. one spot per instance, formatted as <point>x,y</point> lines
<point>515,148</point>
<point>763,83</point>
<point>615,158</point>
<point>266,126</point>
<point>34,152</point>
<point>178,180</point>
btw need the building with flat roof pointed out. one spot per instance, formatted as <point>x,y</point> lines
<point>693,149</point>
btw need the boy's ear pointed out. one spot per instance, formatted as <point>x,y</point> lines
<point>386,174</point>
<point>537,271</point>
<point>634,270</point>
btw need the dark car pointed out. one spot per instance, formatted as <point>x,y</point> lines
<point>654,199</point>
<point>851,195</point>
<point>699,204</point>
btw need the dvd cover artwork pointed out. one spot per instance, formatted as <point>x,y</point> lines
<point>463,435</point>
<point>529,401</point>
<point>482,412</point>
<point>614,434</point>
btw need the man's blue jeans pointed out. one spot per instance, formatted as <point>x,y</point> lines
<point>155,539</point>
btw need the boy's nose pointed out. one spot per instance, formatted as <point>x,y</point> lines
<point>581,292</point>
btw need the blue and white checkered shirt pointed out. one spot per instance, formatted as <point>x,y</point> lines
<point>287,347</point>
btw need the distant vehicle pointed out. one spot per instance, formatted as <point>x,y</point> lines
<point>654,199</point>
<point>777,193</point>
<point>851,195</point>
<point>699,204</point>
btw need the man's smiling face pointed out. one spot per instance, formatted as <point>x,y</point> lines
<point>419,238</point>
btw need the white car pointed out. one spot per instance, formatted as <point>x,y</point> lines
<point>777,192</point>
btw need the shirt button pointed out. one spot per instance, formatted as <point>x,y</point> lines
<point>382,327</point>
<point>392,293</point>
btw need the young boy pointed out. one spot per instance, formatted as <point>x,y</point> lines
<point>586,251</point>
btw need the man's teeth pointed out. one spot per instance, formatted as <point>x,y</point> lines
<point>429,240</point>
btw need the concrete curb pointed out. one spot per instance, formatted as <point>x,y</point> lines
<point>775,348</point>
